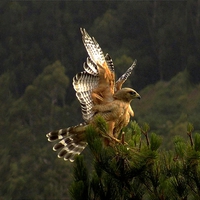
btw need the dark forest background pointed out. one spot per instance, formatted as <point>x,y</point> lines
<point>40,52</point>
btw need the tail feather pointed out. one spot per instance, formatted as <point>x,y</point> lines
<point>72,141</point>
<point>58,134</point>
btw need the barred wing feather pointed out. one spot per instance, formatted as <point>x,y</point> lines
<point>110,63</point>
<point>90,67</point>
<point>93,48</point>
<point>124,77</point>
<point>83,84</point>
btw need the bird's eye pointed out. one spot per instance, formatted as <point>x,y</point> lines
<point>132,92</point>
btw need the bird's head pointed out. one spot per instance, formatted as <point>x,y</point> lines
<point>126,94</point>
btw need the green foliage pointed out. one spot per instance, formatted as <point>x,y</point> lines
<point>155,142</point>
<point>95,143</point>
<point>197,142</point>
<point>139,171</point>
<point>78,189</point>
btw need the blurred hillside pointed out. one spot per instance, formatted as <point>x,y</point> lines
<point>168,107</point>
<point>40,52</point>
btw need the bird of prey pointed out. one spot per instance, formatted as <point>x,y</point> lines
<point>99,95</point>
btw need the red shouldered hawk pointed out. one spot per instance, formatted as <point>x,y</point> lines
<point>98,94</point>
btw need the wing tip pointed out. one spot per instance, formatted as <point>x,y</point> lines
<point>134,63</point>
<point>82,30</point>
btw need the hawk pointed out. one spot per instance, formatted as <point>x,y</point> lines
<point>99,95</point>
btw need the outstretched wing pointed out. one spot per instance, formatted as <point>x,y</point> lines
<point>104,65</point>
<point>95,85</point>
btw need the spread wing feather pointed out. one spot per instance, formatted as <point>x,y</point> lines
<point>83,84</point>
<point>92,47</point>
<point>110,63</point>
<point>90,67</point>
<point>124,77</point>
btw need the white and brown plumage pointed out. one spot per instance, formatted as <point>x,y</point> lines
<point>98,94</point>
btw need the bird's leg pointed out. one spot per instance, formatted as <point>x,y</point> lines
<point>111,126</point>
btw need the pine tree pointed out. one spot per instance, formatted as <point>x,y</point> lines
<point>138,168</point>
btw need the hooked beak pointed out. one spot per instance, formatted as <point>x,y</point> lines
<point>138,96</point>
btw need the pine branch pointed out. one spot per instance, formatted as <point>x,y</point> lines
<point>129,170</point>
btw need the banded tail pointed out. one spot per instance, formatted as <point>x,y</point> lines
<point>72,141</point>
